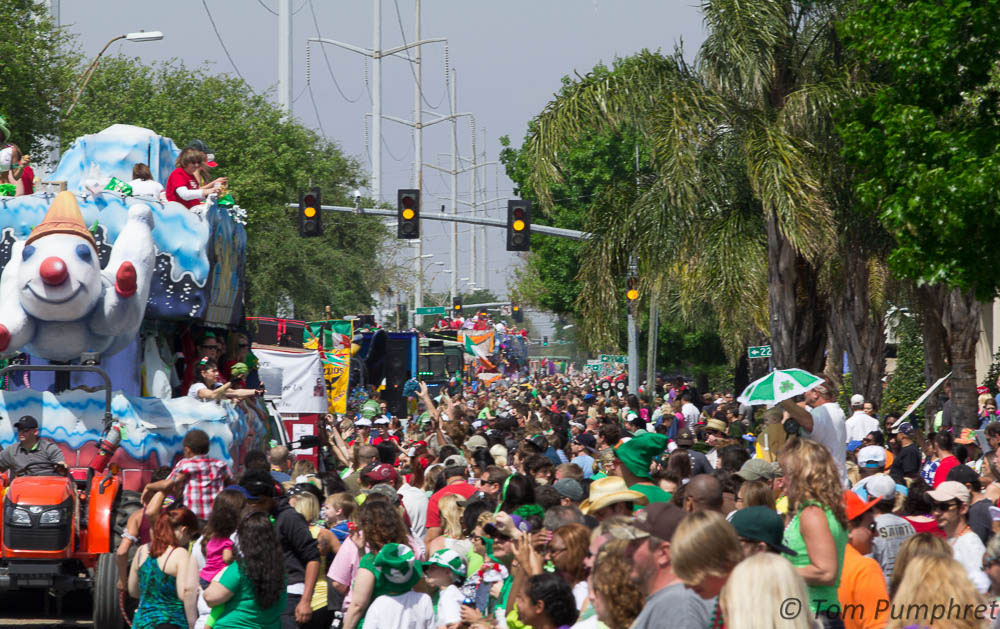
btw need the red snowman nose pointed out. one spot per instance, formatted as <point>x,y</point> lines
<point>53,271</point>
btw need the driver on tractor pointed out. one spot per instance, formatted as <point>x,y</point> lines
<point>32,456</point>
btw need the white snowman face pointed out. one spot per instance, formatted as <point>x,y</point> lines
<point>59,278</point>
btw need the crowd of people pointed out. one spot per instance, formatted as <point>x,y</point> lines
<point>540,503</point>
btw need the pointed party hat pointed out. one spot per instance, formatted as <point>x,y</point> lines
<point>63,217</point>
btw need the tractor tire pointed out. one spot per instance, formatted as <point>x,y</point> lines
<point>107,614</point>
<point>128,503</point>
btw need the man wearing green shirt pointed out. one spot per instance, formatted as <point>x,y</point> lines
<point>632,461</point>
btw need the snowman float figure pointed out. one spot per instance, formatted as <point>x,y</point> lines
<point>57,303</point>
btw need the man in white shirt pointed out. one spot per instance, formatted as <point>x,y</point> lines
<point>823,422</point>
<point>950,510</point>
<point>689,411</point>
<point>860,423</point>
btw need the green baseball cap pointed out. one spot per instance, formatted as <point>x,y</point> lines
<point>761,524</point>
<point>759,469</point>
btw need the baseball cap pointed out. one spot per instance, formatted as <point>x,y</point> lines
<point>586,440</point>
<point>385,490</point>
<point>476,441</point>
<point>381,419</point>
<point>950,490</point>
<point>857,399</point>
<point>27,422</point>
<point>880,486</point>
<point>963,474</point>
<point>757,469</point>
<point>761,524</point>
<point>684,438</point>
<point>906,428</point>
<point>660,519</point>
<point>854,445</point>
<point>569,488</point>
<point>871,457</point>
<point>209,156</point>
<point>455,460</point>
<point>856,505</point>
<point>381,473</point>
<point>363,423</point>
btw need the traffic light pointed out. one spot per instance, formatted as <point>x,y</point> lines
<point>408,214</point>
<point>456,306</point>
<point>516,314</point>
<point>545,341</point>
<point>310,214</point>
<point>632,294</point>
<point>518,225</point>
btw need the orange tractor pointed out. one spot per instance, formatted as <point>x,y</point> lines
<point>59,533</point>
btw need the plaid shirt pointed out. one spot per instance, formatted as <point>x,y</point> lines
<point>206,477</point>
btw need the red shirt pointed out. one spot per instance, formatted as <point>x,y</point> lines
<point>945,466</point>
<point>180,179</point>
<point>461,488</point>
<point>28,179</point>
<point>206,477</point>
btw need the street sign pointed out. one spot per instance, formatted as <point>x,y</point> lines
<point>430,310</point>
<point>613,358</point>
<point>760,351</point>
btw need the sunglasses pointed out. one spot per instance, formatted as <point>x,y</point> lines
<point>943,506</point>
<point>243,345</point>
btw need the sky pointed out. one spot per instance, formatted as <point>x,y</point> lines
<point>509,57</point>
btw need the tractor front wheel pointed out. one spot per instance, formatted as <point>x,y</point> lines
<point>107,613</point>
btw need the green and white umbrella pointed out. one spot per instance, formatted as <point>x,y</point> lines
<point>779,385</point>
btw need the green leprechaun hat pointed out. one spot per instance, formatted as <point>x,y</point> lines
<point>397,568</point>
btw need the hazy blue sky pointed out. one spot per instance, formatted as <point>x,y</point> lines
<point>509,56</point>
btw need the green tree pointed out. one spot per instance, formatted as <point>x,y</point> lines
<point>736,214</point>
<point>267,159</point>
<point>924,140</point>
<point>906,383</point>
<point>38,65</point>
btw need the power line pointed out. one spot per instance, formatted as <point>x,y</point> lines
<point>267,8</point>
<point>316,110</point>
<point>204,3</point>
<point>399,20</point>
<point>300,94</point>
<point>328,66</point>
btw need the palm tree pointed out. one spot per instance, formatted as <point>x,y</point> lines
<point>736,213</point>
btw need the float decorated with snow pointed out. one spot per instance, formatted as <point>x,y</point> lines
<point>95,274</point>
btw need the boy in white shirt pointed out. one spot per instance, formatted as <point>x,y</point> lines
<point>445,571</point>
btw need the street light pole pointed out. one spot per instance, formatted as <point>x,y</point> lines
<point>140,36</point>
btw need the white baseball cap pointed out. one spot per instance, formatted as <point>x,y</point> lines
<point>857,399</point>
<point>363,423</point>
<point>871,457</point>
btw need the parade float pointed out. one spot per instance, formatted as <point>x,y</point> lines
<point>101,294</point>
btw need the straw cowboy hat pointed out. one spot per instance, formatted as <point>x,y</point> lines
<point>608,491</point>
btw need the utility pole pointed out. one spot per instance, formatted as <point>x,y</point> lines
<point>285,56</point>
<point>418,169</point>
<point>453,292</point>
<point>654,324</point>
<point>377,54</point>
<point>633,337</point>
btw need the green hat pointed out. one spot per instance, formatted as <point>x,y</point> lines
<point>447,558</point>
<point>758,469</point>
<point>638,452</point>
<point>370,409</point>
<point>397,569</point>
<point>761,524</point>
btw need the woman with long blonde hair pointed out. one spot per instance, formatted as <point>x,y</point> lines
<point>758,592</point>
<point>817,531</point>
<point>936,589</point>
<point>919,545</point>
<point>451,524</point>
